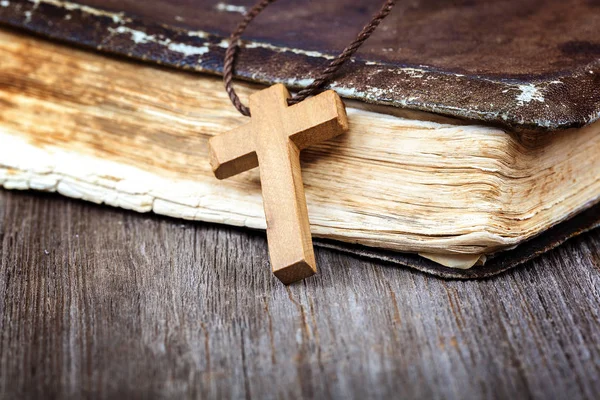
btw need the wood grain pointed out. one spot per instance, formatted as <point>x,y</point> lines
<point>135,136</point>
<point>98,303</point>
<point>273,140</point>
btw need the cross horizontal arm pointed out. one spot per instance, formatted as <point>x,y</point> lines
<point>316,119</point>
<point>233,152</point>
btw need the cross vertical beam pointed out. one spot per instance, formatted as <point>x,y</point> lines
<point>288,229</point>
<point>273,140</point>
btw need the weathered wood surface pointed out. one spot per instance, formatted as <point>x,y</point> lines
<point>97,302</point>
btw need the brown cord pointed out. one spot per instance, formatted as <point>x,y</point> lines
<point>321,80</point>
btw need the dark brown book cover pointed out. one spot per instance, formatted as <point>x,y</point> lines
<point>521,63</point>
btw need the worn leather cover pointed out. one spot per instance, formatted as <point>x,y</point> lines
<point>521,63</point>
<point>525,64</point>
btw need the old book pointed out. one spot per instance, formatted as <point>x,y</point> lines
<point>134,135</point>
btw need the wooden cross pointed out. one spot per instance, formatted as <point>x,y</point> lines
<point>272,140</point>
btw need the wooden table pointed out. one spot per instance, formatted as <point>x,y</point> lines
<point>97,302</point>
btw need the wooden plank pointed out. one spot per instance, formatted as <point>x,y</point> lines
<point>99,302</point>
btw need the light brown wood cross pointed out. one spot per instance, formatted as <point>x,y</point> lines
<point>272,140</point>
